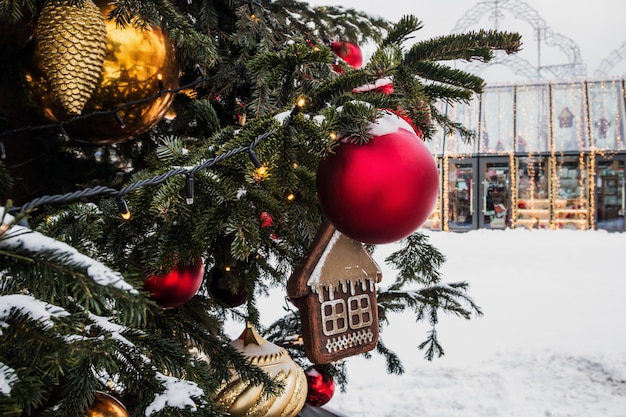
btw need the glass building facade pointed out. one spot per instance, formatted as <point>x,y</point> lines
<point>546,155</point>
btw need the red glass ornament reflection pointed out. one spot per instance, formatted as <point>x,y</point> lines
<point>176,287</point>
<point>349,52</point>
<point>321,387</point>
<point>221,291</point>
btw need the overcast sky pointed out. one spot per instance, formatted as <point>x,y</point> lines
<point>597,27</point>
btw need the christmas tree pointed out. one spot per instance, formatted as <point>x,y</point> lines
<point>165,164</point>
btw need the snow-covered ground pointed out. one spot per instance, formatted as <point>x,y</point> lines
<point>552,341</point>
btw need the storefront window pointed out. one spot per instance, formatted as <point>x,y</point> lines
<point>571,200</point>
<point>569,117</point>
<point>496,199</point>
<point>606,113</point>
<point>467,115</point>
<point>533,202</point>
<point>532,119</point>
<point>497,120</point>
<point>461,193</point>
<point>610,195</point>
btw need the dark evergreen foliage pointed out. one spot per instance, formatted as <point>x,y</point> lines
<point>261,57</point>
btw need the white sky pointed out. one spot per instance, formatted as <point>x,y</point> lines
<point>596,26</point>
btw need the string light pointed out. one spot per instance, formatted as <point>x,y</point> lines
<point>108,191</point>
<point>123,208</point>
<point>255,159</point>
<point>592,190</point>
<point>291,197</point>
<point>119,120</point>
<point>513,185</point>
<point>261,174</point>
<point>446,189</point>
<point>189,188</point>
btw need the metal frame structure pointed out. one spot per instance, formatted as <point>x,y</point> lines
<point>543,34</point>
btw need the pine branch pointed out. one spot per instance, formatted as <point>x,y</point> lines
<point>417,261</point>
<point>394,365</point>
<point>450,127</point>
<point>401,31</point>
<point>443,74</point>
<point>471,46</point>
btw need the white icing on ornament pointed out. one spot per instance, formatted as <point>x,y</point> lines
<point>314,279</point>
<point>343,271</point>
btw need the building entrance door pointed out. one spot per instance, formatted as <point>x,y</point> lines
<point>495,193</point>
<point>462,195</point>
<point>610,195</point>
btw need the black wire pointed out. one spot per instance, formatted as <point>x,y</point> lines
<point>100,190</point>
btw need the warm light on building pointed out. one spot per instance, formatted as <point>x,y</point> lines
<point>546,155</point>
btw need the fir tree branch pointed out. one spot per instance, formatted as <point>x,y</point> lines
<point>440,73</point>
<point>416,261</point>
<point>401,31</point>
<point>471,46</point>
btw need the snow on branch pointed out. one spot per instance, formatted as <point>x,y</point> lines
<point>30,306</point>
<point>7,378</point>
<point>21,239</point>
<point>178,393</point>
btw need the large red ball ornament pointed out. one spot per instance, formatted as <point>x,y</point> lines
<point>321,387</point>
<point>349,52</point>
<point>176,287</point>
<point>382,191</point>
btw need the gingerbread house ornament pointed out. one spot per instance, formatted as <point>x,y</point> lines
<point>335,291</point>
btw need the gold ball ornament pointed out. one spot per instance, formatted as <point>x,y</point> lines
<point>240,398</point>
<point>105,405</point>
<point>136,66</point>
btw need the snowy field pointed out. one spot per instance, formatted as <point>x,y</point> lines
<point>552,341</point>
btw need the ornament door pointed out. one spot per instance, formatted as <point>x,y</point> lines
<point>610,195</point>
<point>495,193</point>
<point>462,195</point>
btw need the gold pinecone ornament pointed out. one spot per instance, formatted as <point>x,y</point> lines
<point>71,40</point>
<point>242,399</point>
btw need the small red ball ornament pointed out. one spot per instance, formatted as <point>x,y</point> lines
<point>321,387</point>
<point>176,287</point>
<point>382,191</point>
<point>266,219</point>
<point>349,52</point>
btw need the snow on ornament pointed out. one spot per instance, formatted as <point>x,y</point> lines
<point>383,86</point>
<point>382,191</point>
<point>335,290</point>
